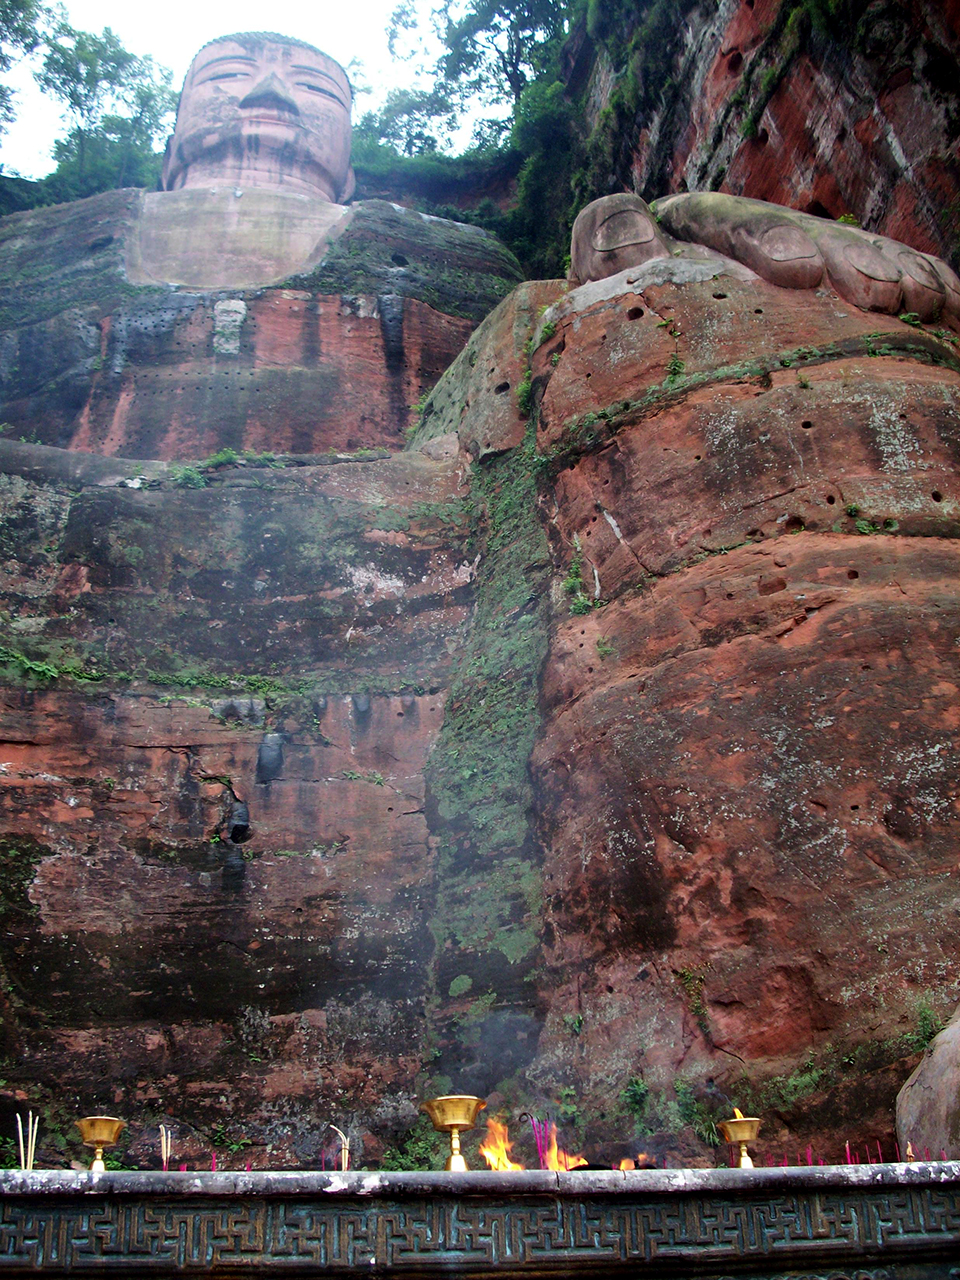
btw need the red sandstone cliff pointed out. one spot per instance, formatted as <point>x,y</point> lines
<point>840,109</point>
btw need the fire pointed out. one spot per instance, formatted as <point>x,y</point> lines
<point>555,1157</point>
<point>497,1147</point>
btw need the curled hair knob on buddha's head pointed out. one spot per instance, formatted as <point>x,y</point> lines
<point>262,110</point>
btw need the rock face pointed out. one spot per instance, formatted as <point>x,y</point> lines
<point>851,112</point>
<point>928,1112</point>
<point>335,360</point>
<point>595,753</point>
<point>742,778</point>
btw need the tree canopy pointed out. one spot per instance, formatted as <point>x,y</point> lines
<point>119,105</point>
<point>495,47</point>
<point>22,27</point>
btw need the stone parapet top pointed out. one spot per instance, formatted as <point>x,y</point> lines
<point>755,1183</point>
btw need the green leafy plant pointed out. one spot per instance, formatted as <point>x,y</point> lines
<point>929,1024</point>
<point>605,649</point>
<point>675,366</point>
<point>420,1148</point>
<point>694,1113</point>
<point>222,458</point>
<point>635,1095</point>
<point>525,394</point>
<point>692,981</point>
<point>187,478</point>
<point>573,1022</point>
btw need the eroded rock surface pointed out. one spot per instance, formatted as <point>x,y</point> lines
<point>595,754</point>
<point>337,359</point>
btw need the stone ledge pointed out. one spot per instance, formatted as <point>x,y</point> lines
<point>712,1223</point>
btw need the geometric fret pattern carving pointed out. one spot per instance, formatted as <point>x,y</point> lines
<point>798,1233</point>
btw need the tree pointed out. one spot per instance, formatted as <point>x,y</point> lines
<point>92,74</point>
<point>409,121</point>
<point>22,24</point>
<point>495,47</point>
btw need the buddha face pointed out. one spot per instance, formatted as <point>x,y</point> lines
<point>262,111</point>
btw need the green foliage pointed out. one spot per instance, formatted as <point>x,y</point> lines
<point>494,47</point>
<point>525,394</point>
<point>675,366</point>
<point>696,1114</point>
<point>605,649</point>
<point>18,862</point>
<point>188,478</point>
<point>460,985</point>
<point>411,122</point>
<point>928,1024</point>
<point>568,1106</point>
<point>351,775</point>
<point>222,458</point>
<point>419,1149</point>
<point>22,25</point>
<point>692,981</point>
<point>477,774</point>
<point>120,106</point>
<point>635,1095</point>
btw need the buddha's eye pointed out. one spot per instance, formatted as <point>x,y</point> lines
<point>229,75</point>
<point>318,89</point>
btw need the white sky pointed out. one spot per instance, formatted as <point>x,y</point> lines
<point>173,31</point>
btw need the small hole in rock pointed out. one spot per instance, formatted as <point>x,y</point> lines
<point>399,260</point>
<point>758,311</point>
<point>719,295</point>
<point>806,425</point>
<point>937,496</point>
<point>830,499</point>
<point>635,313</point>
<point>500,388</point>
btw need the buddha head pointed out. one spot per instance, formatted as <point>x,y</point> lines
<point>261,110</point>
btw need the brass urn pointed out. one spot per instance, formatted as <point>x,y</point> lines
<point>99,1132</point>
<point>738,1132</point>
<point>451,1114</point>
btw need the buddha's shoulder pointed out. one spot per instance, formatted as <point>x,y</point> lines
<point>385,248</point>
<point>99,251</point>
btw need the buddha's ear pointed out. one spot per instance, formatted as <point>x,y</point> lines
<point>349,187</point>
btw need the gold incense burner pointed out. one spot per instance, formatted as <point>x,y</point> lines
<point>738,1132</point>
<point>100,1132</point>
<point>451,1114</point>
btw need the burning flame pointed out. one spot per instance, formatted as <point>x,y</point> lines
<point>497,1146</point>
<point>555,1157</point>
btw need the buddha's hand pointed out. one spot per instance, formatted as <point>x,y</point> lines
<point>800,251</point>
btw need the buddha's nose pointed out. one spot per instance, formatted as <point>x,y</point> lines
<point>271,93</point>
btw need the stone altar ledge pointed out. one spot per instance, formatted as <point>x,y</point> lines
<point>868,1222</point>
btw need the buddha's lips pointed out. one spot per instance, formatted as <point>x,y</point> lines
<point>257,115</point>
